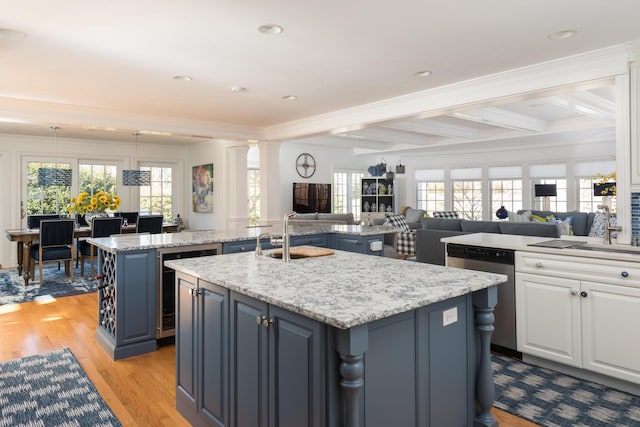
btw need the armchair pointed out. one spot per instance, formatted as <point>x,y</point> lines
<point>150,224</point>
<point>405,238</point>
<point>100,227</point>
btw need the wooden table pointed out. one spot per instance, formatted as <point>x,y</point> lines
<point>26,236</point>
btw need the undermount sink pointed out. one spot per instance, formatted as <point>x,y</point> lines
<point>613,248</point>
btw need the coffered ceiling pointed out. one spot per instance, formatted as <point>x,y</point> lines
<point>105,70</point>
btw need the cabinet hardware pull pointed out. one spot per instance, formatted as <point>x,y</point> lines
<point>624,274</point>
<point>259,319</point>
<point>538,264</point>
<point>583,294</point>
<point>574,293</point>
<point>267,322</point>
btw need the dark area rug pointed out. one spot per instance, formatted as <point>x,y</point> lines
<point>50,389</point>
<point>56,284</point>
<point>550,398</point>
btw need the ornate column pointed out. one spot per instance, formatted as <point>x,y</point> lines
<point>484,302</point>
<point>271,205</point>
<point>236,199</point>
<point>351,345</point>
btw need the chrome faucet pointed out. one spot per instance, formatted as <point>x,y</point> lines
<point>285,240</point>
<point>259,242</point>
<point>608,228</point>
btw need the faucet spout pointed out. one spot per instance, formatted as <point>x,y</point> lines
<point>259,242</point>
<point>286,255</point>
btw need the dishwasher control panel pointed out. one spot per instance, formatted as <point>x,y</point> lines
<point>502,256</point>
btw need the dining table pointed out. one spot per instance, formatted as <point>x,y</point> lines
<point>25,237</point>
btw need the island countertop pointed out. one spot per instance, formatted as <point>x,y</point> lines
<point>342,290</point>
<point>124,242</point>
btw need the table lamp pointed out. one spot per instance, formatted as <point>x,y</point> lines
<point>545,191</point>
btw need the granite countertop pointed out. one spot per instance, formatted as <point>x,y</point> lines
<point>124,242</point>
<point>521,243</point>
<point>342,290</point>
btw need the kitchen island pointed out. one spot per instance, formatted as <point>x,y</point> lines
<point>338,340</point>
<point>136,293</point>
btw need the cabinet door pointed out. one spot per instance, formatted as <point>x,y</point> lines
<point>296,360</point>
<point>348,243</point>
<point>249,363</point>
<point>611,341</point>
<point>186,348</point>
<point>136,297</point>
<point>548,318</point>
<point>213,354</point>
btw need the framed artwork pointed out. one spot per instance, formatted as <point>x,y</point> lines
<point>202,188</point>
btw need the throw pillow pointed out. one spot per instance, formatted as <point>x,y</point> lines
<point>597,228</point>
<point>414,215</point>
<point>523,217</point>
<point>564,224</point>
<point>445,214</point>
<point>397,220</point>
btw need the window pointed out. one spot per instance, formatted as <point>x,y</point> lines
<point>467,199</point>
<point>467,192</point>
<point>96,177</point>
<point>46,199</point>
<point>430,196</point>
<point>156,198</point>
<point>347,191</point>
<point>253,180</point>
<point>585,173</point>
<point>556,204</point>
<point>507,193</point>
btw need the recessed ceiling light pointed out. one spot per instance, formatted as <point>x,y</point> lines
<point>423,73</point>
<point>270,29</point>
<point>564,34</point>
<point>290,97</point>
<point>183,78</point>
<point>238,89</point>
<point>15,34</point>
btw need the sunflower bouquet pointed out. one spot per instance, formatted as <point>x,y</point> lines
<point>101,201</point>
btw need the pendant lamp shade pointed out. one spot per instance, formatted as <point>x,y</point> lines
<point>55,176</point>
<point>136,177</point>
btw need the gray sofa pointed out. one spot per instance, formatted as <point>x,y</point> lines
<point>316,218</point>
<point>431,250</point>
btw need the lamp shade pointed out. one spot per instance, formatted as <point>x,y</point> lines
<point>604,189</point>
<point>50,177</point>
<point>545,190</point>
<point>135,177</point>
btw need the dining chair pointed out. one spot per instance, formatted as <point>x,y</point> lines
<point>55,244</point>
<point>149,223</point>
<point>101,227</point>
<point>131,217</point>
<point>33,221</point>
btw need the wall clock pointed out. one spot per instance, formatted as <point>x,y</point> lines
<point>305,165</point>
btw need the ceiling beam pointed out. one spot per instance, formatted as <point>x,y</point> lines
<point>498,117</point>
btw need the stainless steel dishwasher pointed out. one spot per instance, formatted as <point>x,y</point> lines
<point>492,260</point>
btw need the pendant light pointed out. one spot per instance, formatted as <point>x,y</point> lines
<point>136,177</point>
<point>55,176</point>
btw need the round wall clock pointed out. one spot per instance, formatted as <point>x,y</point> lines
<point>305,165</point>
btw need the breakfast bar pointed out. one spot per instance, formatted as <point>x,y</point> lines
<point>338,340</point>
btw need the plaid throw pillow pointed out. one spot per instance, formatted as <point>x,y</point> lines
<point>397,220</point>
<point>445,214</point>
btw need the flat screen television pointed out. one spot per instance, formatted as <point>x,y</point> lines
<point>311,197</point>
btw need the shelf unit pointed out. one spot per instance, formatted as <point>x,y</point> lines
<point>376,197</point>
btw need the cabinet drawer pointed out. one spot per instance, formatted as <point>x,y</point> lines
<point>241,246</point>
<point>571,267</point>
<point>310,240</point>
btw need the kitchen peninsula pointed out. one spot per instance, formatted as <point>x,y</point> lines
<point>137,294</point>
<point>338,340</point>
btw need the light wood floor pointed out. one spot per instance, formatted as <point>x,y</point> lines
<point>140,390</point>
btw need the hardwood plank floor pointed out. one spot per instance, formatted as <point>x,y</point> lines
<point>140,390</point>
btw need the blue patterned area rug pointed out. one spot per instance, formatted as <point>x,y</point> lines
<point>50,389</point>
<point>552,399</point>
<point>55,284</point>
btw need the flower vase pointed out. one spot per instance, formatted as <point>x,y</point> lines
<point>89,216</point>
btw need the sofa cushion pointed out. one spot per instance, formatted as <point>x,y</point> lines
<point>305,216</point>
<point>445,214</point>
<point>520,216</point>
<point>414,215</point>
<point>397,220</point>
<point>541,229</point>
<point>451,224</point>
<point>480,226</point>
<point>345,218</point>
